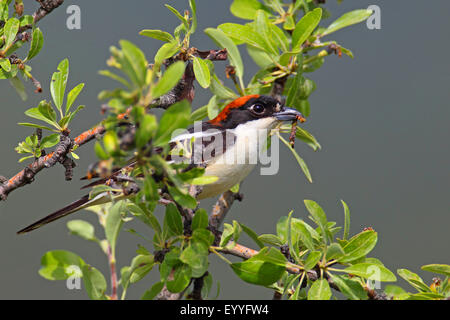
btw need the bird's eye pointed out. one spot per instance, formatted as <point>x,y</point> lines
<point>257,108</point>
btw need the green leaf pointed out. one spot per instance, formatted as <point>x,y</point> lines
<point>140,266</point>
<point>352,289</point>
<point>7,75</point>
<point>10,31</point>
<point>359,246</point>
<point>258,272</point>
<point>320,290</point>
<point>59,82</point>
<point>300,161</point>
<point>114,76</point>
<point>46,110</point>
<point>395,291</point>
<point>271,255</point>
<point>194,15</point>
<point>178,15</point>
<point>294,90</point>
<point>261,58</point>
<point>347,220</point>
<point>213,107</point>
<point>312,259</point>
<point>221,91</point>
<point>199,113</point>
<point>37,42</point>
<point>182,198</point>
<point>49,141</point>
<point>253,235</point>
<point>300,230</point>
<point>173,219</point>
<point>371,271</point>
<point>73,94</point>
<point>82,229</point>
<point>169,79</point>
<point>318,216</point>
<point>307,137</point>
<point>262,26</point>
<point>19,87</point>
<point>181,279</point>
<point>271,239</point>
<point>114,223</point>
<point>414,280</point>
<point>32,125</point>
<point>69,117</point>
<point>279,37</point>
<point>292,239</point>
<point>135,62</point>
<point>153,291</point>
<point>200,220</point>
<point>246,34</point>
<point>201,72</point>
<point>203,180</point>
<point>25,20</point>
<point>145,215</point>
<point>111,142</point>
<point>100,152</point>
<point>25,158</point>
<point>305,27</point>
<point>94,282</point>
<point>204,236</point>
<point>347,19</point>
<point>223,41</point>
<point>59,264</point>
<point>426,296</point>
<point>147,128</point>
<point>5,64</point>
<point>438,268</point>
<point>227,234</point>
<point>246,9</point>
<point>334,251</point>
<point>289,24</point>
<point>166,51</point>
<point>196,256</point>
<point>177,116</point>
<point>44,113</point>
<point>157,34</point>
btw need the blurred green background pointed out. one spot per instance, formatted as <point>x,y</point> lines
<point>382,120</point>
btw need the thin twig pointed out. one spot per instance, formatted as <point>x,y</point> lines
<point>47,6</point>
<point>113,273</point>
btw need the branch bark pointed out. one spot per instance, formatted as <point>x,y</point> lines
<point>221,208</point>
<point>47,6</point>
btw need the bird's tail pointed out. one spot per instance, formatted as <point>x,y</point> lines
<point>75,206</point>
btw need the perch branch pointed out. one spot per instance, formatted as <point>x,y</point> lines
<point>183,90</point>
<point>221,208</point>
<point>47,6</point>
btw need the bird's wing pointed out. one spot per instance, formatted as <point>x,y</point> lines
<point>105,197</point>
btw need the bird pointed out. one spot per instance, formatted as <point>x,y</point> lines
<point>232,130</point>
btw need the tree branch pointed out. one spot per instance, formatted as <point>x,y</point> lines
<point>28,174</point>
<point>47,6</point>
<point>313,275</point>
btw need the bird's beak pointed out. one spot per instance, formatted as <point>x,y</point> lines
<point>289,114</point>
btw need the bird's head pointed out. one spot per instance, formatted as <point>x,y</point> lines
<point>258,111</point>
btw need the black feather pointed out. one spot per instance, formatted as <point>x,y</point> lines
<point>55,215</point>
